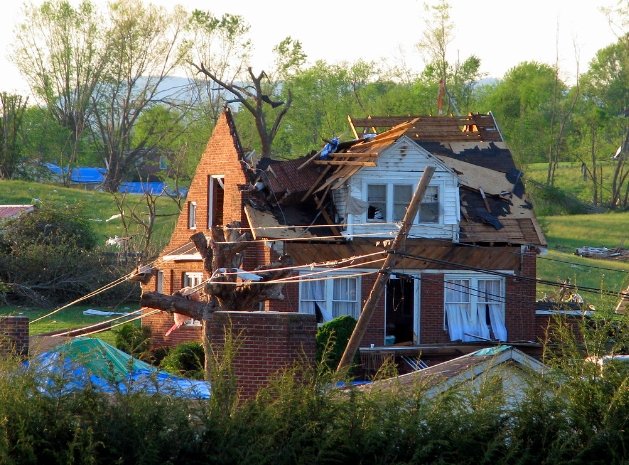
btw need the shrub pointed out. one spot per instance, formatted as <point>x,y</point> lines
<point>332,338</point>
<point>186,359</point>
<point>134,340</point>
<point>49,256</point>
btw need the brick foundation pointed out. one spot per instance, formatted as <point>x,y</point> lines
<point>268,342</point>
<point>14,335</point>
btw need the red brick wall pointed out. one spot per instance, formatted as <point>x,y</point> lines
<point>14,335</point>
<point>544,323</point>
<point>219,158</point>
<point>520,305</point>
<point>375,330</point>
<point>267,343</point>
<point>431,314</point>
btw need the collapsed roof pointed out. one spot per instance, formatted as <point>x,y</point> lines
<point>494,207</point>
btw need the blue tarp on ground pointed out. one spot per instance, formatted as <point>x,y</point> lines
<point>155,188</point>
<point>90,362</point>
<point>88,175</point>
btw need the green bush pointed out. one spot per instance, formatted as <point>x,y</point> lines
<point>186,359</point>
<point>332,338</point>
<point>134,340</point>
<point>49,256</point>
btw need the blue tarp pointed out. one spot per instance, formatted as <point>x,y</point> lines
<point>88,175</point>
<point>90,362</point>
<point>142,187</point>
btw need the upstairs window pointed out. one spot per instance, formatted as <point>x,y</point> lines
<point>401,198</point>
<point>388,203</point>
<point>377,199</point>
<point>192,215</point>
<point>192,279</point>
<point>429,207</point>
<point>215,200</point>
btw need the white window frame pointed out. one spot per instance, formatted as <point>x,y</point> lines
<point>192,279</point>
<point>389,200</point>
<point>220,180</point>
<point>475,298</point>
<point>159,282</point>
<point>329,284</point>
<point>192,215</point>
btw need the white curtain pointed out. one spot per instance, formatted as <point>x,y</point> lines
<point>465,322</point>
<point>491,298</point>
<point>477,325</point>
<point>344,297</point>
<point>457,302</point>
<point>454,313</point>
<point>313,292</point>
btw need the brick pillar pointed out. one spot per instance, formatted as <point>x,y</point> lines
<point>432,307</point>
<point>14,335</point>
<point>268,342</point>
<point>520,305</point>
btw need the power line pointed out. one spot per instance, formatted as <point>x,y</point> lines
<point>97,324</point>
<point>507,275</point>
<point>390,233</point>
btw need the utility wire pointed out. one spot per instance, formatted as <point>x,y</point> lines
<point>380,234</point>
<point>97,324</point>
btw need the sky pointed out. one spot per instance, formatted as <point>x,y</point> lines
<point>502,33</point>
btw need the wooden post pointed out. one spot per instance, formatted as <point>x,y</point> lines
<point>383,275</point>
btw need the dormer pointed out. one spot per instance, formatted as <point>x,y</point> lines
<point>373,201</point>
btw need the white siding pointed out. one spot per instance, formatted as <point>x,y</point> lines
<point>403,163</point>
<point>339,196</point>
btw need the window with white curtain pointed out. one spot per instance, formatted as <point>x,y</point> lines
<point>329,298</point>
<point>474,308</point>
<point>192,279</point>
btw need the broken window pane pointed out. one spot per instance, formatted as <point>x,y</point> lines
<point>377,199</point>
<point>429,208</point>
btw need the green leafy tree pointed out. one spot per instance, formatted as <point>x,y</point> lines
<point>520,103</point>
<point>61,52</point>
<point>453,82</point>
<point>223,46</point>
<point>143,48</point>
<point>12,109</point>
<point>606,90</point>
<point>48,255</point>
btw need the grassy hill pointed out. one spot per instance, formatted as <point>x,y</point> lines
<point>96,206</point>
<point>565,233</point>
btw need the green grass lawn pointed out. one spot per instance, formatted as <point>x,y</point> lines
<point>565,234</point>
<point>96,206</point>
<point>569,179</point>
<point>69,318</point>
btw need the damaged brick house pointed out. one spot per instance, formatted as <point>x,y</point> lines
<point>469,265</point>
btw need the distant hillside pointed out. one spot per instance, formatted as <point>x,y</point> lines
<point>98,207</point>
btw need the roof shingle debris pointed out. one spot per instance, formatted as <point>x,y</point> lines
<point>493,202</point>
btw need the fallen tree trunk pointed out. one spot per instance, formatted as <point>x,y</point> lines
<point>178,304</point>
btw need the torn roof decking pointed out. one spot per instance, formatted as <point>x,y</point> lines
<point>437,128</point>
<point>284,177</point>
<point>483,163</point>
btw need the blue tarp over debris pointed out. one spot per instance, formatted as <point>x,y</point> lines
<point>155,188</point>
<point>88,175</point>
<point>91,362</point>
